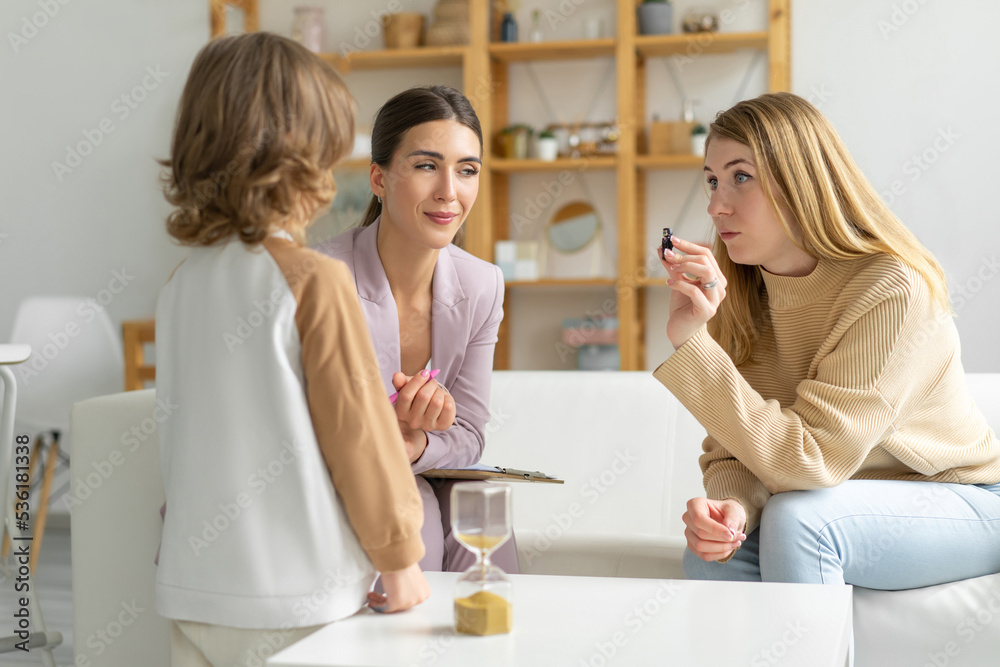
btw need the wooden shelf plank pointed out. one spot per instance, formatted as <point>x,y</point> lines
<point>355,163</point>
<point>574,49</point>
<point>669,162</point>
<point>653,282</point>
<point>697,44</point>
<point>563,282</point>
<point>508,165</point>
<point>422,56</point>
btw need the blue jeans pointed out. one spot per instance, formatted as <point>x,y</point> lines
<point>886,535</point>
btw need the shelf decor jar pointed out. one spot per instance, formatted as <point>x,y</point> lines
<point>700,19</point>
<point>513,141</point>
<point>403,30</point>
<point>519,142</point>
<point>309,28</point>
<point>655,17</point>
<point>451,24</point>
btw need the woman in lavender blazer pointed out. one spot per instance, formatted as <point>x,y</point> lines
<point>430,306</point>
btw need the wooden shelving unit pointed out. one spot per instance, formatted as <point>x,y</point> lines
<point>485,76</point>
<point>631,52</point>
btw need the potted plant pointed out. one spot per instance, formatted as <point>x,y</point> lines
<point>547,146</point>
<point>655,17</point>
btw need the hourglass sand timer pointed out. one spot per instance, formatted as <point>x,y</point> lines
<point>480,520</point>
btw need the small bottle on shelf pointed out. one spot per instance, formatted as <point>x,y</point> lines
<point>508,28</point>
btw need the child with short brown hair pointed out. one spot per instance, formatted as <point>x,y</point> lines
<point>287,486</point>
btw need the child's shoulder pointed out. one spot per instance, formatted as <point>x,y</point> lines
<point>339,246</point>
<point>306,269</point>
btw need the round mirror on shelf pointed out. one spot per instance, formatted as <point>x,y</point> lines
<point>573,227</point>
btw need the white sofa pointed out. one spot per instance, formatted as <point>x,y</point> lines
<point>629,454</point>
<point>627,450</point>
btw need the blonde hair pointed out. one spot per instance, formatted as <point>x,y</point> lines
<point>834,208</point>
<point>260,125</point>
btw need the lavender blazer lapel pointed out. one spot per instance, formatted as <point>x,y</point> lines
<point>378,305</point>
<point>449,323</point>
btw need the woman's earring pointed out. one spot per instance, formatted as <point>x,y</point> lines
<point>379,200</point>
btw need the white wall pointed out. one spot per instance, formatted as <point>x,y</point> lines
<point>911,86</point>
<point>70,232</point>
<point>891,95</point>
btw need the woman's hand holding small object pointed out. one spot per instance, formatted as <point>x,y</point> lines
<point>698,287</point>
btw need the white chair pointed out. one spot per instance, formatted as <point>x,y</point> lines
<point>115,519</point>
<point>39,639</point>
<point>77,355</point>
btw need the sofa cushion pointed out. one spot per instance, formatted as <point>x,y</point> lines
<point>956,624</point>
<point>611,437</point>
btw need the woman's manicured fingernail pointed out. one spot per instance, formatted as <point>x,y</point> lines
<point>434,373</point>
<point>392,399</point>
<point>425,373</point>
<point>668,253</point>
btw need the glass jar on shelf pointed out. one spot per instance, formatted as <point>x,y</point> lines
<point>700,19</point>
<point>309,28</point>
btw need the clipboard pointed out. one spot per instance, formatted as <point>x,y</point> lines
<point>483,472</point>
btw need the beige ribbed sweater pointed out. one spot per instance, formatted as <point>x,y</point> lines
<point>857,376</point>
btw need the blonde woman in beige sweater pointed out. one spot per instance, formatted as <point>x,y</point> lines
<point>816,346</point>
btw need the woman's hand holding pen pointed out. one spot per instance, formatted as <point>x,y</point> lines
<point>692,302</point>
<point>714,528</point>
<point>421,405</point>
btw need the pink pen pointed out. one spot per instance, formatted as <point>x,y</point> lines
<point>434,374</point>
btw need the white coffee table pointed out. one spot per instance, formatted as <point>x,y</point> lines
<point>598,621</point>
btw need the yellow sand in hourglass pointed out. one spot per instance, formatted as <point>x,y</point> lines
<point>483,613</point>
<point>483,543</point>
